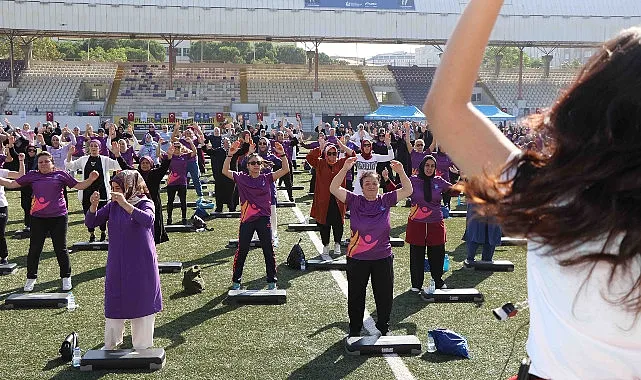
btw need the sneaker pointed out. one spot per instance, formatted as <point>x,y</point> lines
<point>271,286</point>
<point>103,236</point>
<point>337,248</point>
<point>28,286</point>
<point>415,290</point>
<point>92,237</point>
<point>444,286</point>
<point>467,264</point>
<point>326,250</point>
<point>66,283</point>
<point>275,242</point>
<point>3,261</point>
<point>235,286</point>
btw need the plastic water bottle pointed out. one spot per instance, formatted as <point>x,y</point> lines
<point>302,263</point>
<point>458,202</point>
<point>77,355</point>
<point>446,263</point>
<point>71,302</point>
<point>426,265</point>
<point>431,346</point>
<point>432,287</point>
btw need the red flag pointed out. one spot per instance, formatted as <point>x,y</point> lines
<point>49,116</point>
<point>338,114</point>
<point>297,115</point>
<point>504,109</point>
<point>259,116</point>
<point>220,117</point>
<point>538,110</point>
<point>130,116</point>
<point>8,112</point>
<point>172,117</point>
<point>91,113</point>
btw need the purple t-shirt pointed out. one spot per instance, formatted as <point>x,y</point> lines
<point>427,212</point>
<point>178,170</point>
<point>416,158</point>
<point>80,146</point>
<point>186,144</point>
<point>370,224</point>
<point>255,195</point>
<point>48,199</point>
<point>443,163</point>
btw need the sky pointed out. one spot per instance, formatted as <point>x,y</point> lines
<point>359,50</point>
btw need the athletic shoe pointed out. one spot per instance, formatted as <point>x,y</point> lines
<point>337,248</point>
<point>92,238</point>
<point>271,286</point>
<point>415,290</point>
<point>28,286</point>
<point>235,286</point>
<point>103,236</point>
<point>66,283</point>
<point>275,242</point>
<point>443,286</point>
<point>3,261</point>
<point>467,264</point>
<point>326,250</point>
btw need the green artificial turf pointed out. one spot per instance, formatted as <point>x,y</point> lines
<point>206,338</point>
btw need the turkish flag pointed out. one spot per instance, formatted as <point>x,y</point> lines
<point>91,113</point>
<point>220,117</point>
<point>538,110</point>
<point>259,116</point>
<point>49,116</point>
<point>172,117</point>
<point>297,115</point>
<point>130,116</point>
<point>504,109</point>
<point>338,114</point>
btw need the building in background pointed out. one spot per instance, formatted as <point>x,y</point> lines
<point>399,58</point>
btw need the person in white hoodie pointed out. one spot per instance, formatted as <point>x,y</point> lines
<point>366,160</point>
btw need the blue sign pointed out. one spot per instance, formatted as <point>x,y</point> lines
<point>157,116</point>
<point>206,116</point>
<point>362,4</point>
<point>197,116</point>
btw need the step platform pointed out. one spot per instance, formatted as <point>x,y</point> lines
<point>492,266</point>
<point>294,187</point>
<point>87,246</point>
<point>374,345</point>
<point>22,234</point>
<point>394,242</point>
<point>170,267</point>
<point>282,204</point>
<point>297,171</point>
<point>180,228</point>
<point>152,358</point>
<point>192,187</point>
<point>8,268</point>
<point>465,295</point>
<point>233,243</point>
<point>36,300</point>
<point>300,227</point>
<point>320,264</point>
<point>458,214</point>
<point>228,214</point>
<point>261,296</point>
<point>512,241</point>
<point>189,204</point>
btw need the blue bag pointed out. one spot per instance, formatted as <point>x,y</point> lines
<point>445,211</point>
<point>450,343</point>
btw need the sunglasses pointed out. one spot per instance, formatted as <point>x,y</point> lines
<point>418,144</point>
<point>31,150</point>
<point>332,153</point>
<point>262,143</point>
<point>366,145</point>
<point>253,163</point>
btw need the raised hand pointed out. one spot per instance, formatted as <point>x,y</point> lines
<point>278,147</point>
<point>385,174</point>
<point>349,163</point>
<point>397,167</point>
<point>118,197</point>
<point>94,199</point>
<point>20,156</point>
<point>252,147</point>
<point>93,175</point>
<point>388,139</point>
<point>234,147</point>
<point>72,149</point>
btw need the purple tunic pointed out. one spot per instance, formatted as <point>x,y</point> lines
<point>443,163</point>
<point>255,195</point>
<point>48,199</point>
<point>370,225</point>
<point>416,158</point>
<point>178,170</point>
<point>132,283</point>
<point>427,212</point>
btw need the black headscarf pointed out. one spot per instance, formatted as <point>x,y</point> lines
<point>427,181</point>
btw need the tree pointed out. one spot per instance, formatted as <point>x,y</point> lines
<point>265,52</point>
<point>70,50</point>
<point>230,54</point>
<point>290,54</point>
<point>510,57</point>
<point>46,49</point>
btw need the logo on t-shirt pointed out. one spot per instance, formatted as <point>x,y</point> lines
<point>173,177</point>
<point>359,245</point>
<point>247,210</point>
<point>419,213</point>
<point>38,204</point>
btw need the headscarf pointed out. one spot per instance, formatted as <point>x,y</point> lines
<point>329,146</point>
<point>267,150</point>
<point>132,184</point>
<point>427,181</point>
<point>371,149</point>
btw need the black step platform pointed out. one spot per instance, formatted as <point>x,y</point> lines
<point>458,214</point>
<point>87,246</point>
<point>492,266</point>
<point>191,186</point>
<point>36,300</point>
<point>8,268</point>
<point>394,242</point>
<point>170,267</point>
<point>374,345</point>
<point>152,358</point>
<point>297,171</point>
<point>262,296</point>
<point>470,295</point>
<point>280,204</point>
<point>294,187</point>
<point>22,234</point>
<point>510,241</point>
<point>228,214</point>
<point>320,264</point>
<point>300,227</point>
<point>177,204</point>
<point>233,243</point>
<point>180,228</point>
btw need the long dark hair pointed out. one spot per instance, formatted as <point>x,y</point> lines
<point>427,181</point>
<point>589,185</point>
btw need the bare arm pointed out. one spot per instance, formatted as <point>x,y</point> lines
<point>232,149</point>
<point>86,183</point>
<point>280,152</point>
<point>335,187</point>
<point>458,126</point>
<point>406,189</point>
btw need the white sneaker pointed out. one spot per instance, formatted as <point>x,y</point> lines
<point>66,283</point>
<point>275,242</point>
<point>337,248</point>
<point>415,290</point>
<point>28,286</point>
<point>326,250</point>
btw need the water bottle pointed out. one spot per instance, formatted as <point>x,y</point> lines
<point>446,263</point>
<point>458,202</point>
<point>77,355</point>
<point>432,287</point>
<point>431,346</point>
<point>302,263</point>
<point>426,266</point>
<point>71,302</point>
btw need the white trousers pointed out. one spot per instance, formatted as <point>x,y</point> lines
<point>142,332</point>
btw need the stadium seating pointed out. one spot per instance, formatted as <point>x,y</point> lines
<point>379,76</point>
<point>5,69</point>
<point>54,86</point>
<point>206,88</point>
<point>413,83</point>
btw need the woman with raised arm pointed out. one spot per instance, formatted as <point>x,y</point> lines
<point>255,209</point>
<point>369,252</point>
<point>579,206</point>
<point>366,160</point>
<point>132,283</point>
<point>48,214</point>
<point>4,206</point>
<point>177,179</point>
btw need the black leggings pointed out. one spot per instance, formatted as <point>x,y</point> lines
<point>246,230</point>
<point>4,215</point>
<point>288,179</point>
<point>25,203</point>
<point>333,221</point>
<point>436,258</point>
<point>358,273</point>
<point>57,227</point>
<point>182,195</point>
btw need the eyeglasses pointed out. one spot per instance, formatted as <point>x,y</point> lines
<point>262,143</point>
<point>332,153</point>
<point>366,145</point>
<point>253,163</point>
<point>31,150</point>
<point>419,144</point>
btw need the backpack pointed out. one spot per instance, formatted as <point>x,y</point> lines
<point>198,221</point>
<point>68,345</point>
<point>193,283</point>
<point>295,256</point>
